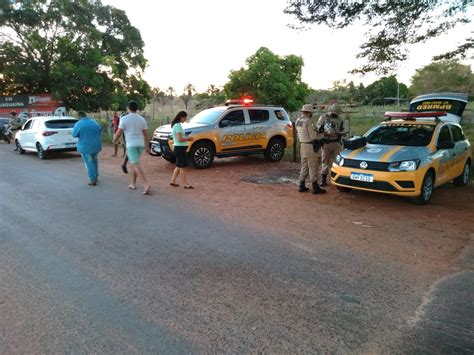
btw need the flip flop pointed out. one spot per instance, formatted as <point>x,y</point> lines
<point>147,192</point>
<point>132,187</point>
<point>173,184</point>
<point>188,187</point>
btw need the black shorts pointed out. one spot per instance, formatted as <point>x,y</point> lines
<point>181,158</point>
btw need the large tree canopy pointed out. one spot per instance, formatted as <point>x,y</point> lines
<point>393,25</point>
<point>270,79</point>
<point>85,53</point>
<point>447,75</point>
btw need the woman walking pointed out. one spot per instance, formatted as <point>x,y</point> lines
<point>180,145</point>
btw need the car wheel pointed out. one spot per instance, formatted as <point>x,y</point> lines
<point>202,155</point>
<point>427,188</point>
<point>343,189</point>
<point>275,150</point>
<point>18,147</point>
<point>169,159</point>
<point>40,151</point>
<point>463,179</point>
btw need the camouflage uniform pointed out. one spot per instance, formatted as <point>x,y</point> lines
<point>307,133</point>
<point>332,126</point>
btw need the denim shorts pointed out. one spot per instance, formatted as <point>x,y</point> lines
<point>134,153</point>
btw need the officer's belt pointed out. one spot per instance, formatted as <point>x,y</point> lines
<point>306,142</point>
<point>332,140</point>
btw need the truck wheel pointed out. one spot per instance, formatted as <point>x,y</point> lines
<point>275,150</point>
<point>427,188</point>
<point>202,155</point>
<point>463,179</point>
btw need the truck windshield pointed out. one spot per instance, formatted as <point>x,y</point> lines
<point>208,116</point>
<point>410,135</point>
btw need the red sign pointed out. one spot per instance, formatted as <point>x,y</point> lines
<point>31,105</point>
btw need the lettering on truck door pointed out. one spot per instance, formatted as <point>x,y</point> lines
<point>231,130</point>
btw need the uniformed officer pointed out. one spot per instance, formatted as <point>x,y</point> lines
<point>310,159</point>
<point>332,126</point>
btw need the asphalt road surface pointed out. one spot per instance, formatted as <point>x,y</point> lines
<point>106,270</point>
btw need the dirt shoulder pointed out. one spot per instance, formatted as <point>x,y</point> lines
<point>262,195</point>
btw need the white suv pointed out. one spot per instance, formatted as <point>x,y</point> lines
<point>45,134</point>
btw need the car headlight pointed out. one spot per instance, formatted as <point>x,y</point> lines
<point>339,160</point>
<point>407,165</point>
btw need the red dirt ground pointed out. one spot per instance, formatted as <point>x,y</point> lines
<point>428,237</point>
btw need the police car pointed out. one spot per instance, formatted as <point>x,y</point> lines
<point>409,154</point>
<point>237,128</point>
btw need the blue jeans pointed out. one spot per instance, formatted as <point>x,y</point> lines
<point>92,165</point>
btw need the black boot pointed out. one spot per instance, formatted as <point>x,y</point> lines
<point>317,189</point>
<point>303,187</point>
<point>324,180</point>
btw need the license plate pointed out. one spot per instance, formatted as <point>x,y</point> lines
<point>156,148</point>
<point>362,177</point>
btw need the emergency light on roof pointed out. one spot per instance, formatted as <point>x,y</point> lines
<point>246,101</point>
<point>413,115</point>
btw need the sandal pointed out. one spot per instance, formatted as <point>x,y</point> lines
<point>132,187</point>
<point>188,187</point>
<point>173,184</point>
<point>147,192</point>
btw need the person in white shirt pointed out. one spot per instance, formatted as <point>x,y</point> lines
<point>136,135</point>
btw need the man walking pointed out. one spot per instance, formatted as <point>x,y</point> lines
<point>89,144</point>
<point>136,137</point>
<point>310,158</point>
<point>332,126</point>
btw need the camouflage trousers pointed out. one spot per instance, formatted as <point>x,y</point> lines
<point>329,153</point>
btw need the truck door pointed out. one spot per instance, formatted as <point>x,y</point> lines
<point>232,130</point>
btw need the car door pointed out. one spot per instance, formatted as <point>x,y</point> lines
<point>232,129</point>
<point>461,149</point>
<point>258,128</point>
<point>445,154</point>
<point>26,135</point>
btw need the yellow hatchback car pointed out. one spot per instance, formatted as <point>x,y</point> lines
<point>232,130</point>
<point>409,154</point>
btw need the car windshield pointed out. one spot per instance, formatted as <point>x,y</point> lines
<point>60,124</point>
<point>410,135</point>
<point>208,116</point>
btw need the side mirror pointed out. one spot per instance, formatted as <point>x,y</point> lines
<point>445,145</point>
<point>224,123</point>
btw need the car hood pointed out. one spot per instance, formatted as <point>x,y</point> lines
<point>187,126</point>
<point>386,153</point>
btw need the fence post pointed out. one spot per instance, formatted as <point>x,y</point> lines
<point>294,141</point>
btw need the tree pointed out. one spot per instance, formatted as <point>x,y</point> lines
<point>187,95</point>
<point>386,87</point>
<point>85,53</point>
<point>270,79</point>
<point>447,75</point>
<point>212,97</point>
<point>171,93</point>
<point>393,25</point>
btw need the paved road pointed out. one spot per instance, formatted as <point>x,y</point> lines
<point>107,270</point>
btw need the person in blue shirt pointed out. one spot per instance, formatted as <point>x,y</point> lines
<point>89,144</point>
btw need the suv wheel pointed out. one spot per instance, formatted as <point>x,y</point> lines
<point>40,151</point>
<point>18,147</point>
<point>426,189</point>
<point>275,150</point>
<point>202,155</point>
<point>463,179</point>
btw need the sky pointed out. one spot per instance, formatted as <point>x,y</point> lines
<point>200,42</point>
